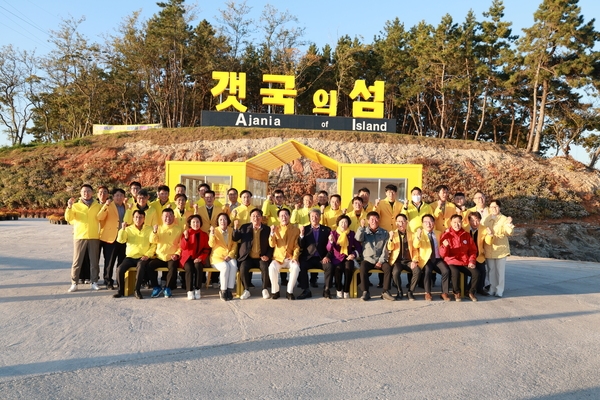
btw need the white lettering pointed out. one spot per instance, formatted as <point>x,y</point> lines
<point>368,126</point>
<point>240,120</point>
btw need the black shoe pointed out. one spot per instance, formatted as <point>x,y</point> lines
<point>229,294</point>
<point>399,295</point>
<point>380,285</point>
<point>117,295</point>
<point>326,294</point>
<point>483,292</point>
<point>365,296</point>
<point>275,296</point>
<point>487,287</point>
<point>251,285</point>
<point>387,296</point>
<point>314,284</point>
<point>138,295</point>
<point>410,296</point>
<point>305,294</point>
<point>110,286</point>
<point>223,295</point>
<point>290,296</point>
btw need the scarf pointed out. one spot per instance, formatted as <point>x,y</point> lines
<point>343,240</point>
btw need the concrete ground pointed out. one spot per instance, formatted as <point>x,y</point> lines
<point>541,341</point>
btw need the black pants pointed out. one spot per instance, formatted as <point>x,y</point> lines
<point>254,263</point>
<point>365,266</point>
<point>106,249</point>
<point>139,277</point>
<point>414,274</point>
<point>455,271</point>
<point>192,268</point>
<point>345,269</point>
<point>482,273</point>
<point>116,258</point>
<point>438,265</point>
<point>171,273</point>
<point>313,263</point>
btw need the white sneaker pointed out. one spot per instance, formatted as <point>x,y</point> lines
<point>197,294</point>
<point>190,295</point>
<point>245,295</point>
<point>73,288</point>
<point>266,294</point>
<point>339,294</point>
<point>216,285</point>
<point>94,286</point>
<point>346,295</point>
<point>87,281</point>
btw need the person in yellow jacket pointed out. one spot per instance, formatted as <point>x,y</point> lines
<point>284,239</point>
<point>330,215</point>
<point>357,213</point>
<point>223,254</point>
<point>300,214</point>
<point>134,189</point>
<point>83,215</point>
<point>181,211</point>
<point>443,210</point>
<point>499,228</point>
<point>141,203</point>
<point>416,209</point>
<point>271,207</point>
<point>162,202</point>
<point>111,217</point>
<point>365,195</point>
<point>426,241</point>
<point>388,208</point>
<point>138,252</point>
<point>242,212</point>
<point>202,189</point>
<point>401,259</point>
<point>166,237</point>
<point>209,211</point>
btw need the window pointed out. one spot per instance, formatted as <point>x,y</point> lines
<point>259,191</point>
<point>219,184</point>
<point>377,187</point>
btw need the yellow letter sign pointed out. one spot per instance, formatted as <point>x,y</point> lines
<point>237,85</point>
<point>280,97</point>
<point>367,109</point>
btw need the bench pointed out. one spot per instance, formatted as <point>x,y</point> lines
<point>131,272</point>
<point>354,284</point>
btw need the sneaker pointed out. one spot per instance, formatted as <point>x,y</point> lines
<point>265,294</point>
<point>245,295</point>
<point>168,293</point>
<point>472,297</point>
<point>73,288</point>
<point>365,296</point>
<point>94,286</point>
<point>197,294</point>
<point>339,294</point>
<point>346,295</point>
<point>216,285</point>
<point>190,295</point>
<point>445,297</point>
<point>87,282</point>
<point>138,295</point>
<point>156,292</point>
<point>222,295</point>
<point>457,296</point>
<point>428,297</point>
<point>387,296</point>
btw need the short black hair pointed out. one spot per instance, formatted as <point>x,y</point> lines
<point>180,195</point>
<point>372,214</point>
<point>245,191</point>
<point>87,185</point>
<point>391,187</point>
<point>142,213</point>
<point>163,188</point>
<point>366,190</point>
<point>191,217</point>
<point>118,190</point>
<point>135,183</point>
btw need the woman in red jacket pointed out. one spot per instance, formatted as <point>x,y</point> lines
<point>194,255</point>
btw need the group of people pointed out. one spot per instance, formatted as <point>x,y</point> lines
<point>289,243</point>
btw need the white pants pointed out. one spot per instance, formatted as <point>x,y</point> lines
<point>496,266</point>
<point>228,270</point>
<point>274,269</point>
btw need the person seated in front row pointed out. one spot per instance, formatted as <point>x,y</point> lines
<point>137,253</point>
<point>427,241</point>
<point>254,251</point>
<point>375,255</point>
<point>194,256</point>
<point>167,237</point>
<point>345,250</point>
<point>223,255</point>
<point>314,254</point>
<point>284,238</point>
<point>459,252</point>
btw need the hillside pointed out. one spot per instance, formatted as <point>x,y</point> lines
<point>545,194</point>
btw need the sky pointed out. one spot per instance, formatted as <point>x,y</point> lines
<point>28,24</point>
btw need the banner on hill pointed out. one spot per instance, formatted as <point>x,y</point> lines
<point>102,129</point>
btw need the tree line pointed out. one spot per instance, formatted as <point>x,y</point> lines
<point>470,80</point>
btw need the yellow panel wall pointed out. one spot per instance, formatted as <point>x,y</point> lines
<point>348,172</point>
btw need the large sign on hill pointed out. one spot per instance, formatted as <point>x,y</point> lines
<point>367,107</point>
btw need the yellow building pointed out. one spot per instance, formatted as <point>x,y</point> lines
<point>253,174</point>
